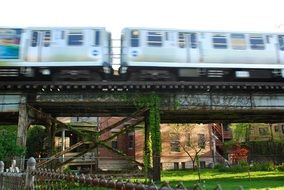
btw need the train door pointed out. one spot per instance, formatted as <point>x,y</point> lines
<point>39,45</point>
<point>193,55</point>
<point>281,49</point>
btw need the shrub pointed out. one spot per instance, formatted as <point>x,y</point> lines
<point>241,167</point>
<point>263,166</point>
<point>280,167</point>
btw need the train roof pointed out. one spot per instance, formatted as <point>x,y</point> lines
<point>202,31</point>
<point>62,28</point>
<point>55,28</point>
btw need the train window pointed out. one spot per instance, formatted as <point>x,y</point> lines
<point>47,39</point>
<point>62,35</point>
<point>191,38</point>
<point>256,42</point>
<point>134,38</point>
<point>219,41</point>
<point>181,39</point>
<point>281,42</point>
<point>238,41</point>
<point>167,36</point>
<point>155,39</point>
<point>34,42</point>
<point>75,39</point>
<point>97,38</point>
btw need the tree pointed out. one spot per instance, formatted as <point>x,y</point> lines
<point>239,153</point>
<point>240,132</point>
<point>35,141</point>
<point>8,145</point>
<point>193,145</point>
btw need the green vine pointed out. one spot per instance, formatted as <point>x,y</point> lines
<point>153,136</point>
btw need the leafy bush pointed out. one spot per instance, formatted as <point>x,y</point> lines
<point>263,166</point>
<point>280,167</point>
<point>242,166</point>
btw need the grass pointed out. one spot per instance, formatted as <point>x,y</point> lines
<point>259,180</point>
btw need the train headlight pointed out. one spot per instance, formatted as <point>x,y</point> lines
<point>45,72</point>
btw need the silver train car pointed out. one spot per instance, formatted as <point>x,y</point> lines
<point>55,53</point>
<point>162,54</point>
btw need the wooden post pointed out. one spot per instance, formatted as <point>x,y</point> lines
<point>23,124</point>
<point>29,182</point>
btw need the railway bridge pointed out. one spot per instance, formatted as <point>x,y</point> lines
<point>26,103</point>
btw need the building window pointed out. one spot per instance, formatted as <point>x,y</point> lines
<point>114,142</point>
<point>201,140</point>
<point>175,144</point>
<point>176,165</point>
<point>155,39</point>
<point>219,41</point>
<point>130,140</point>
<point>75,39</point>
<point>238,41</point>
<point>134,38</point>
<point>188,142</point>
<point>263,131</point>
<point>276,128</point>
<point>256,42</point>
<point>202,164</point>
<point>183,165</point>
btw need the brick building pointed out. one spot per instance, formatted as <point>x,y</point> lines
<point>131,145</point>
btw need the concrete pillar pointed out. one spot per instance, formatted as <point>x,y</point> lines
<point>23,125</point>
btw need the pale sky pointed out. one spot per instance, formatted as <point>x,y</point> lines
<point>235,15</point>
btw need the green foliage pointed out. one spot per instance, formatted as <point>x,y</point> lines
<point>240,131</point>
<point>8,143</point>
<point>244,166</point>
<point>35,141</point>
<point>153,142</point>
<point>263,166</point>
<point>260,180</point>
<point>280,167</point>
<point>241,167</point>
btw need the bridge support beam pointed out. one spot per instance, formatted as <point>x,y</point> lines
<point>23,125</point>
<point>152,154</point>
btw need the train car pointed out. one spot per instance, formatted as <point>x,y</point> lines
<point>55,53</point>
<point>165,54</point>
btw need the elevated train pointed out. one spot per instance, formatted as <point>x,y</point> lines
<point>57,53</point>
<point>146,54</point>
<point>163,54</point>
